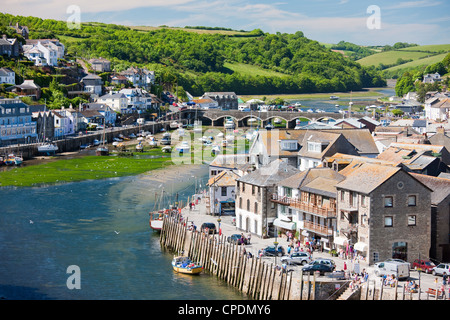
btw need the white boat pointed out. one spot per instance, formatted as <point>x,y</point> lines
<point>229,124</point>
<point>48,148</point>
<point>102,150</point>
<point>152,143</point>
<point>197,127</point>
<point>277,120</point>
<point>174,125</point>
<point>166,149</point>
<point>183,147</point>
<point>334,97</point>
<point>139,147</point>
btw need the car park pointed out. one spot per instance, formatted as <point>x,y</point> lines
<point>423,265</point>
<point>302,258</point>
<point>237,238</point>
<point>440,269</point>
<point>272,251</point>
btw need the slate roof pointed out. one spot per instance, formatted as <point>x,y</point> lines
<point>270,174</point>
<point>224,179</point>
<point>230,161</point>
<point>367,177</point>
<point>304,177</point>
<point>439,186</point>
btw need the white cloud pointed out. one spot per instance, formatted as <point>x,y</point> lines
<point>56,9</point>
<point>415,4</point>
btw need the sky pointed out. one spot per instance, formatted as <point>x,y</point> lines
<point>374,22</point>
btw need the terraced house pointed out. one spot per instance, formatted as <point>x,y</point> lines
<point>16,125</point>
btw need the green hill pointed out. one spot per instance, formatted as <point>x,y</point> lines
<point>391,57</point>
<point>201,60</point>
<point>419,62</point>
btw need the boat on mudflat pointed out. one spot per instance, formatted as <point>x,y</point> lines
<point>185,265</point>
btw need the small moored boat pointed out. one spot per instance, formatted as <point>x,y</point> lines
<point>185,265</point>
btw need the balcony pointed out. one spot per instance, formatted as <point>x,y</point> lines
<point>284,200</point>
<point>313,209</point>
<point>317,228</point>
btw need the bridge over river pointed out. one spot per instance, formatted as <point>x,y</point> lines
<point>215,117</point>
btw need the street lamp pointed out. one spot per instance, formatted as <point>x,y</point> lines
<point>275,243</point>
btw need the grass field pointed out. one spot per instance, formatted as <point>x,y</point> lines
<point>248,69</point>
<point>419,62</point>
<point>390,57</point>
<point>430,48</point>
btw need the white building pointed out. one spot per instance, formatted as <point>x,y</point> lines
<point>432,78</point>
<point>7,76</point>
<point>437,108</point>
<point>116,101</point>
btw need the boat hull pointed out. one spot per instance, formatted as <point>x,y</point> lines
<point>156,224</point>
<point>193,270</point>
<point>102,152</point>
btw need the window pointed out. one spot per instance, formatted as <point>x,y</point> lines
<point>376,257</point>
<point>256,207</point>
<point>388,221</point>
<point>224,191</point>
<point>388,201</point>
<point>411,220</point>
<point>240,202</point>
<point>411,201</point>
<point>248,205</point>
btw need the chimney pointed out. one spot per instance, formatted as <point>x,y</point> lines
<point>440,130</point>
<point>4,37</point>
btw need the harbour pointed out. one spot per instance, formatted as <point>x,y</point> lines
<point>102,227</point>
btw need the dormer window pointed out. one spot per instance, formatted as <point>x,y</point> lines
<point>289,145</point>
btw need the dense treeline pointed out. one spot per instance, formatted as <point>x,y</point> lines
<point>197,60</point>
<point>354,51</point>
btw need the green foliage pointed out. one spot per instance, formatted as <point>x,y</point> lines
<point>358,52</point>
<point>197,60</point>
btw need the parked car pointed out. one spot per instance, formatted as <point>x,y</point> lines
<point>320,267</point>
<point>440,269</point>
<point>237,238</point>
<point>210,226</point>
<point>424,265</point>
<point>297,258</point>
<point>272,251</point>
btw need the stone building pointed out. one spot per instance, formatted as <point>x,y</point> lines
<point>383,212</point>
<point>226,100</point>
<point>255,212</point>
<point>440,216</point>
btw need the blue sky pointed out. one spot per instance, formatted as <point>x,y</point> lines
<point>330,21</point>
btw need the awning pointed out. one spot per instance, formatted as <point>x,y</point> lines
<point>340,241</point>
<point>360,246</point>
<point>289,225</point>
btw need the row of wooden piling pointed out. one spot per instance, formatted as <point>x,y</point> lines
<point>229,262</point>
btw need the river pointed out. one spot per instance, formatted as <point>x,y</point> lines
<point>102,227</point>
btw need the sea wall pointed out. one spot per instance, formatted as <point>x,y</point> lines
<point>253,276</point>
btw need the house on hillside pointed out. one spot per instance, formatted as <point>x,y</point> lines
<point>116,101</point>
<point>432,78</point>
<point>9,46</point>
<point>7,76</point>
<point>28,89</point>
<point>100,65</point>
<point>93,84</point>
<point>22,30</point>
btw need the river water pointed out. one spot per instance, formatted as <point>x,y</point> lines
<point>102,227</point>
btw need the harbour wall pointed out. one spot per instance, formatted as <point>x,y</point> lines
<point>252,276</point>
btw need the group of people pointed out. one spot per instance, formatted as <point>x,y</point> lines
<point>389,280</point>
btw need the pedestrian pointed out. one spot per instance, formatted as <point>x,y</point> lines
<point>345,266</point>
<point>444,278</point>
<point>190,206</point>
<point>289,250</point>
<point>248,238</point>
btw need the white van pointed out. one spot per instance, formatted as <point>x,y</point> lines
<point>399,269</point>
